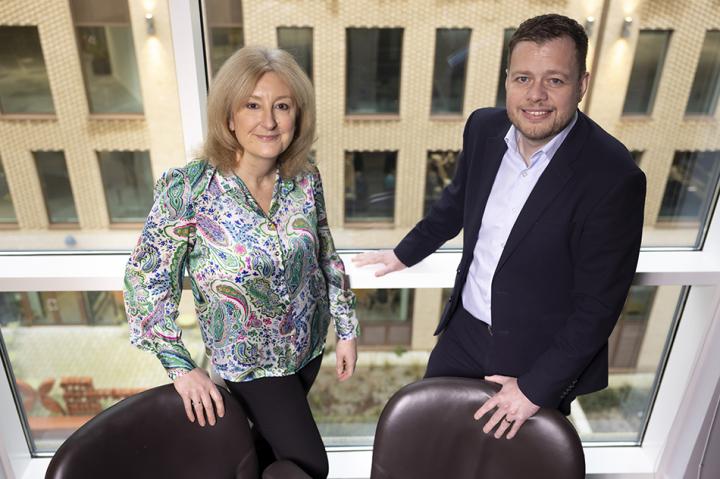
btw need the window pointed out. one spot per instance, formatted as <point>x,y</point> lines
<point>646,70</point>
<point>370,186</point>
<point>451,54</point>
<point>441,167</point>
<point>24,84</point>
<point>500,97</point>
<point>373,70</point>
<point>637,156</point>
<point>626,340</point>
<point>107,56</point>
<point>385,316</point>
<point>299,43</point>
<point>691,188</point>
<point>225,30</point>
<point>55,183</point>
<point>7,212</point>
<point>706,85</point>
<point>127,180</point>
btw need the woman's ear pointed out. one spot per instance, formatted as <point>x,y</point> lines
<point>231,125</point>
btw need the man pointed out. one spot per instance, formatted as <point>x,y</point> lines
<point>552,210</point>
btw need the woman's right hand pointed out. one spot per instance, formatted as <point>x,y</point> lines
<point>198,393</point>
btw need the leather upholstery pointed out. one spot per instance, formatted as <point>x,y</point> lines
<point>149,436</point>
<point>427,431</point>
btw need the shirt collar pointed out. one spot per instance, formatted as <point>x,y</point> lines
<point>548,149</point>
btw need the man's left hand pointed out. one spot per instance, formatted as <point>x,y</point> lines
<point>513,408</point>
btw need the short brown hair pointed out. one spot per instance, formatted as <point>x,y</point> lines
<point>544,28</point>
<point>234,83</point>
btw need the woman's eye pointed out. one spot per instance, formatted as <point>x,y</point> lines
<point>252,106</point>
<point>282,106</point>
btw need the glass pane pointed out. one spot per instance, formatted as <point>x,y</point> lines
<point>71,357</point>
<point>225,30</point>
<point>706,85</point>
<point>690,191</point>
<point>7,212</point>
<point>299,43</point>
<point>500,98</point>
<point>646,70</point>
<point>224,42</point>
<point>373,70</point>
<point>55,182</point>
<point>440,172</point>
<point>370,186</point>
<point>637,353</point>
<point>107,56</point>
<point>385,317</point>
<point>24,84</point>
<point>451,53</point>
<point>127,179</point>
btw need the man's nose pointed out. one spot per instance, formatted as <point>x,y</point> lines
<point>537,92</point>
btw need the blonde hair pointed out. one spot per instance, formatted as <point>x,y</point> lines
<point>234,83</point>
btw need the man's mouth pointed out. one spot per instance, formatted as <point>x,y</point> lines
<point>536,114</point>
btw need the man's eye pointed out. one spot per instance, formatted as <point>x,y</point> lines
<point>522,79</point>
<point>556,81</point>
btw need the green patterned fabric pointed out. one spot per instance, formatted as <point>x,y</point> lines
<point>266,286</point>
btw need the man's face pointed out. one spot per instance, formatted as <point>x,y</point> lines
<point>543,87</point>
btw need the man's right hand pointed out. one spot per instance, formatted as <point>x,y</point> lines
<point>198,393</point>
<point>387,258</point>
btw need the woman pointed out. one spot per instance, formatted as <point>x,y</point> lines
<point>250,226</point>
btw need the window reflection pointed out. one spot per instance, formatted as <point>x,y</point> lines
<point>7,212</point>
<point>385,316</point>
<point>373,70</point>
<point>370,186</point>
<point>299,43</point>
<point>500,97</point>
<point>706,84</point>
<point>24,84</point>
<point>690,188</point>
<point>107,56</point>
<point>441,167</point>
<point>646,71</point>
<point>55,183</point>
<point>225,26</point>
<point>451,53</point>
<point>127,180</point>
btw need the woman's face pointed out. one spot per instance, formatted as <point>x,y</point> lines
<point>264,124</point>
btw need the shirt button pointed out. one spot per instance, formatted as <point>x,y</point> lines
<point>524,174</point>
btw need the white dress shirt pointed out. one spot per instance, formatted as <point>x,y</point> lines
<point>513,184</point>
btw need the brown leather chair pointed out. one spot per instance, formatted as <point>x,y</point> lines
<point>427,431</point>
<point>149,436</point>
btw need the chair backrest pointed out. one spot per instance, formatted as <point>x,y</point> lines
<point>427,430</point>
<point>148,435</point>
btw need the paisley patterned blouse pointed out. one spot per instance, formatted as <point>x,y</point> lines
<point>266,286</point>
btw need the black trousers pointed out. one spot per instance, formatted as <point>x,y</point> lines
<point>282,420</point>
<point>464,348</point>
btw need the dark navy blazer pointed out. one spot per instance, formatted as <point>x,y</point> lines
<point>566,268</point>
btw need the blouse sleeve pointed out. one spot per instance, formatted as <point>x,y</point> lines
<point>342,299</point>
<point>153,276</point>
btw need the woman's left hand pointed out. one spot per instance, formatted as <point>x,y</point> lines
<point>346,357</point>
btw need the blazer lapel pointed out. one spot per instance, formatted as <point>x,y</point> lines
<point>486,169</point>
<point>551,182</point>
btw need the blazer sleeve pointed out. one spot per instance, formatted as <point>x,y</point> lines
<point>342,299</point>
<point>445,219</point>
<point>604,266</point>
<point>153,276</point>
